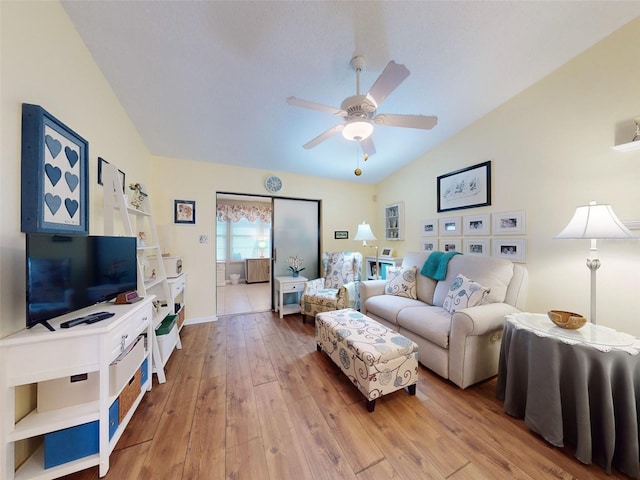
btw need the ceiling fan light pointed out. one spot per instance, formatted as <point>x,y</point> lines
<point>357,130</point>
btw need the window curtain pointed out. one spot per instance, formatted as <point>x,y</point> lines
<point>235,213</point>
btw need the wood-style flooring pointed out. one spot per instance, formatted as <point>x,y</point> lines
<point>249,397</point>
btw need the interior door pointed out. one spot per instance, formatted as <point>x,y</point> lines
<point>296,231</point>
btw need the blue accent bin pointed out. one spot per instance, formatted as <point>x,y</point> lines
<point>70,444</point>
<point>144,371</point>
<point>114,418</point>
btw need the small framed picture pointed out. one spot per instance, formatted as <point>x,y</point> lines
<point>429,228</point>
<point>386,252</point>
<point>476,224</point>
<point>514,249</point>
<point>184,212</point>
<point>450,226</point>
<point>428,245</point>
<point>450,245</point>
<point>509,223</point>
<point>476,246</point>
<point>101,162</point>
<point>341,234</point>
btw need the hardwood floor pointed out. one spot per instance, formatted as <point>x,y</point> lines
<point>249,397</point>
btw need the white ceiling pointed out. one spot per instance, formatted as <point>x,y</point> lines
<point>208,80</point>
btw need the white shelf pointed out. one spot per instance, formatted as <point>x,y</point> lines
<point>627,147</point>
<point>38,423</point>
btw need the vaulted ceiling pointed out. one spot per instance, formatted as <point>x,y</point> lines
<point>208,80</point>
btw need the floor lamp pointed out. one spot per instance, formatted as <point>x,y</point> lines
<point>594,222</point>
<point>364,233</point>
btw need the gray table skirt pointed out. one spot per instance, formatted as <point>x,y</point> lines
<point>574,394</point>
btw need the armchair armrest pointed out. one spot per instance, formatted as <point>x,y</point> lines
<point>349,296</point>
<point>311,287</point>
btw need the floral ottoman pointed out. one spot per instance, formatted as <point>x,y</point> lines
<point>376,359</point>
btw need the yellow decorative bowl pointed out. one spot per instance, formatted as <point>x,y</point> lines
<point>568,320</point>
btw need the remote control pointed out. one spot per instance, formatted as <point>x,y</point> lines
<point>92,318</point>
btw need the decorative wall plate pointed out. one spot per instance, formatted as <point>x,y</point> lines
<point>273,184</point>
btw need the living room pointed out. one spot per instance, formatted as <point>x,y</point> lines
<point>550,148</point>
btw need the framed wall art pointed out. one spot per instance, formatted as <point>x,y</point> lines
<point>509,223</point>
<point>513,249</point>
<point>450,226</point>
<point>429,245</point>
<point>184,212</point>
<point>476,246</point>
<point>466,188</point>
<point>450,245</point>
<point>341,234</point>
<point>429,228</point>
<point>54,183</point>
<point>476,224</point>
<point>101,162</point>
<point>386,252</point>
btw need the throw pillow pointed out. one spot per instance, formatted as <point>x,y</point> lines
<point>401,282</point>
<point>464,293</point>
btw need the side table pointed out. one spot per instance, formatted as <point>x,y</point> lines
<point>288,285</point>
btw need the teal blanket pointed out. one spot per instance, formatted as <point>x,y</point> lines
<point>435,266</point>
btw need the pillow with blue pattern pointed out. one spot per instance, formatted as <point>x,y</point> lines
<point>401,282</point>
<point>464,293</point>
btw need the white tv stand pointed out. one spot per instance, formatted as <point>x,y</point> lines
<point>36,355</point>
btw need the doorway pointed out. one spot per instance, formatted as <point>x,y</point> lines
<point>254,237</point>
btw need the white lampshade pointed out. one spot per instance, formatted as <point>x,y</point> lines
<point>357,130</point>
<point>364,232</point>
<point>595,222</point>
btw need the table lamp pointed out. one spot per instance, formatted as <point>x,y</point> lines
<point>594,222</point>
<point>364,233</point>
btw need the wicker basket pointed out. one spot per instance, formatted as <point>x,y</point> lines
<point>568,320</point>
<point>129,395</point>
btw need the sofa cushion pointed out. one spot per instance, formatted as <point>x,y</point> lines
<point>493,273</point>
<point>425,286</point>
<point>464,293</point>
<point>430,323</point>
<point>401,282</point>
<point>388,306</point>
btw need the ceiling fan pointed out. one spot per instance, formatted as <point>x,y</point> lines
<point>359,111</point>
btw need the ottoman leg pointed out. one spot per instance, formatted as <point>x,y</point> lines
<point>318,347</point>
<point>412,389</point>
<point>371,405</point>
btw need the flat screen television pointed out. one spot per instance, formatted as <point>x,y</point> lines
<point>67,273</point>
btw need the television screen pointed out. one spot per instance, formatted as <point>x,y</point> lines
<point>67,273</point>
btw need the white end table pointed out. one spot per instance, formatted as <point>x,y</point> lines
<point>288,285</point>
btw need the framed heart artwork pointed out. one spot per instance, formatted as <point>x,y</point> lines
<point>54,175</point>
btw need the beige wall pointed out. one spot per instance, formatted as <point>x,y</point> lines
<point>343,206</point>
<point>550,149</point>
<point>45,62</point>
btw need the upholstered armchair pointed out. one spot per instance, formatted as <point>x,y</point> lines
<point>337,289</point>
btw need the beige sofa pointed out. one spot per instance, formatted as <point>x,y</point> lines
<point>464,346</point>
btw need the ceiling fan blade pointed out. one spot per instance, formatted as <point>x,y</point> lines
<point>367,146</point>
<point>323,136</point>
<point>410,121</point>
<point>315,106</point>
<point>392,76</point>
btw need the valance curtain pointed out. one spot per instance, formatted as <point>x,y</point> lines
<point>235,213</point>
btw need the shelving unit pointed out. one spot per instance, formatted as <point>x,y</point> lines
<point>371,268</point>
<point>627,147</point>
<point>38,355</point>
<point>115,202</point>
<point>394,221</point>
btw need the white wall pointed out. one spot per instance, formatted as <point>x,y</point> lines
<point>44,62</point>
<point>550,149</point>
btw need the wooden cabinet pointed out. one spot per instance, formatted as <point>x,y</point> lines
<point>257,270</point>
<point>394,221</point>
<point>100,350</point>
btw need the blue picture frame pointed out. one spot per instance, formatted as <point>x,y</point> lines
<point>55,175</point>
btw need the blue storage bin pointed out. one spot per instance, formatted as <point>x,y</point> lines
<point>114,418</point>
<point>70,444</point>
<point>145,371</point>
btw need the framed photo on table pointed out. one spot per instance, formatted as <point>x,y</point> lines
<point>386,252</point>
<point>55,173</point>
